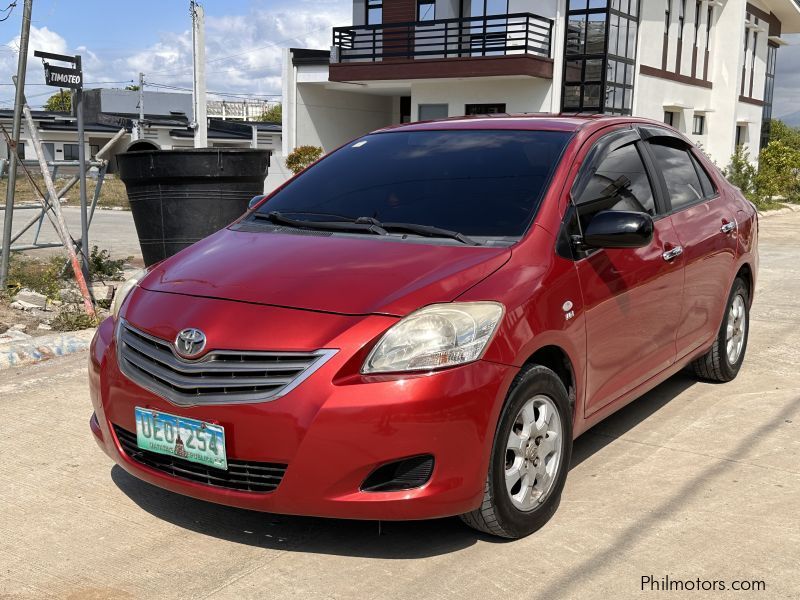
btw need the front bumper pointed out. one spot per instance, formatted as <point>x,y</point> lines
<point>332,431</point>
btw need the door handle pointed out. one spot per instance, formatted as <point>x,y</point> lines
<point>672,253</point>
<point>728,227</point>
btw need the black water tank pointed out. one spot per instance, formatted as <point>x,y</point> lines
<point>178,197</point>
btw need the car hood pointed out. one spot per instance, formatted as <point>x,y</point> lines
<point>337,274</point>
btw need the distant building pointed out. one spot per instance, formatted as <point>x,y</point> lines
<point>166,126</point>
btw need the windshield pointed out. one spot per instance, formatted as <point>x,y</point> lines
<point>483,184</point>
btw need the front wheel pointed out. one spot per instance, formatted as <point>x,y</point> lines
<point>530,457</point>
<point>724,359</point>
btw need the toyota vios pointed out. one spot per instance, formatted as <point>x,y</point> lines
<point>421,323</point>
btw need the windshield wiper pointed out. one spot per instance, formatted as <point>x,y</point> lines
<point>356,225</point>
<point>428,231</point>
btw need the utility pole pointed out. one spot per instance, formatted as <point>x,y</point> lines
<point>5,254</point>
<point>82,170</point>
<point>199,64</point>
<point>140,123</point>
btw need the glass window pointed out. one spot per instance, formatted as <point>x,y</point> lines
<point>431,112</point>
<point>485,183</point>
<point>374,12</point>
<point>70,151</point>
<point>484,109</point>
<point>705,179</point>
<point>683,184</point>
<point>669,118</point>
<point>699,125</point>
<point>21,150</point>
<point>426,10</point>
<point>619,183</point>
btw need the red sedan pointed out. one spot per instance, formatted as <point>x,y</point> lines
<point>421,323</point>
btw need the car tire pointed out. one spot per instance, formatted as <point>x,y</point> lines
<point>724,359</point>
<point>507,509</point>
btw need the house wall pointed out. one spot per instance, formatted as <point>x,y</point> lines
<point>329,118</point>
<point>524,94</point>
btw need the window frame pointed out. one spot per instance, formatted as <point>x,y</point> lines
<point>497,105</point>
<point>64,151</point>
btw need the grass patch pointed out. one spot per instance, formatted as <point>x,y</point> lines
<point>72,318</point>
<point>112,194</point>
<point>43,276</point>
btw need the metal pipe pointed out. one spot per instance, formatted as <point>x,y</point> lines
<point>5,251</point>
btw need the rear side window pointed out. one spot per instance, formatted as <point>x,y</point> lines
<point>620,182</point>
<point>680,176</point>
<point>705,181</point>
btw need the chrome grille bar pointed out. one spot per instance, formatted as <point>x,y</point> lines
<point>219,377</point>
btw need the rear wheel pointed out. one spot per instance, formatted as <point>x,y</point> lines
<point>724,359</point>
<point>530,457</point>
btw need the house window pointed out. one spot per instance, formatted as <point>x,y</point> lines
<point>426,10</point>
<point>405,109</point>
<point>699,125</point>
<point>769,89</point>
<point>431,112</point>
<point>70,151</point>
<point>741,135</point>
<point>600,49</point>
<point>669,118</point>
<point>484,109</point>
<point>21,150</point>
<point>374,12</point>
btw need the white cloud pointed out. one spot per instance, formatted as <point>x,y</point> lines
<point>252,44</point>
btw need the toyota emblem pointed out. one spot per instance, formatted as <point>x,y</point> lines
<point>190,342</point>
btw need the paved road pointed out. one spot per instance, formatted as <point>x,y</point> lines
<point>692,481</point>
<point>111,229</point>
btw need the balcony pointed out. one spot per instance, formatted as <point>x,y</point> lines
<point>508,44</point>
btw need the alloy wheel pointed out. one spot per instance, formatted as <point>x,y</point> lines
<point>736,329</point>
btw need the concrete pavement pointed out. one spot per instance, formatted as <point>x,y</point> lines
<point>112,230</point>
<point>693,480</point>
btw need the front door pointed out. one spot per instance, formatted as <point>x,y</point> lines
<point>632,296</point>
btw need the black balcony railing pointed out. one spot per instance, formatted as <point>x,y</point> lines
<point>494,35</point>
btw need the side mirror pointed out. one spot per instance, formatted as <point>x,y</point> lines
<point>255,200</point>
<point>619,229</point>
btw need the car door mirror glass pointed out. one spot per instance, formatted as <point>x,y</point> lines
<point>619,229</point>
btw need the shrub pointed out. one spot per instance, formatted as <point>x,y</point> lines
<point>43,276</point>
<point>778,167</point>
<point>741,172</point>
<point>102,267</point>
<point>301,157</point>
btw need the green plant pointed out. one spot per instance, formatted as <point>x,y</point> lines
<point>274,114</point>
<point>101,266</point>
<point>301,157</point>
<point>61,101</point>
<point>778,167</point>
<point>741,172</point>
<point>72,318</point>
<point>43,276</point>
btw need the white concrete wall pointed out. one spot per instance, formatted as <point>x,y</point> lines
<point>329,118</point>
<point>524,94</point>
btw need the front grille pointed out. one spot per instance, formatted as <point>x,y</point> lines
<point>241,475</point>
<point>219,377</point>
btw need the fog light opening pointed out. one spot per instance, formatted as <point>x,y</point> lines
<point>400,475</point>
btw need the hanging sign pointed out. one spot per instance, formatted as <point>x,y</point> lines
<point>63,77</point>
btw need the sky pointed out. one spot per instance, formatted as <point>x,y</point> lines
<point>244,38</point>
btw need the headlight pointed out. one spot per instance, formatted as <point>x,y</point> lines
<point>440,335</point>
<point>125,289</point>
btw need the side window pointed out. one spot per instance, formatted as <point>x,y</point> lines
<point>705,180</point>
<point>619,183</point>
<point>680,176</point>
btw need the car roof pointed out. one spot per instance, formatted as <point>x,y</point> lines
<point>525,122</point>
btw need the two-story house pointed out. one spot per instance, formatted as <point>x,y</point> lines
<point>705,66</point>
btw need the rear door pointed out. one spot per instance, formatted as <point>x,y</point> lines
<point>705,223</point>
<point>632,296</point>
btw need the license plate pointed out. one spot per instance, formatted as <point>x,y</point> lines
<point>189,439</point>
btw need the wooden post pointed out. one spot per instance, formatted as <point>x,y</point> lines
<point>61,226</point>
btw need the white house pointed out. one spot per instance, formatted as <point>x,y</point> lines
<point>705,66</point>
